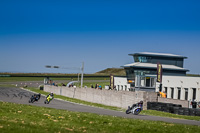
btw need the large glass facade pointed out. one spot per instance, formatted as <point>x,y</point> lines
<point>143,59</point>
<point>163,60</point>
<point>145,81</point>
<point>140,78</point>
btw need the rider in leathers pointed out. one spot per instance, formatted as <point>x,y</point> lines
<point>50,95</point>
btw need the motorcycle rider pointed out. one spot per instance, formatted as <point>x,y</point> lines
<point>36,96</point>
<point>49,96</point>
<point>135,108</point>
<point>140,104</point>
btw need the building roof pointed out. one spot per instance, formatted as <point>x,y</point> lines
<point>159,54</point>
<point>154,66</point>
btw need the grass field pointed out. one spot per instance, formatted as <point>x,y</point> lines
<point>88,81</point>
<point>15,79</point>
<point>26,119</point>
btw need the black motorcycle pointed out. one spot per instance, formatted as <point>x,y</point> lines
<point>34,98</point>
<point>135,108</point>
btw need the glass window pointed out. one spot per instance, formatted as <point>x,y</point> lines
<point>179,93</point>
<point>172,92</point>
<point>136,58</point>
<point>153,82</point>
<point>141,59</point>
<point>166,91</point>
<point>130,74</point>
<point>194,93</point>
<point>142,81</point>
<point>148,82</point>
<point>186,93</point>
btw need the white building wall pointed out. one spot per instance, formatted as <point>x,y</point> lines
<point>176,93</point>
<point>189,93</point>
<point>169,82</point>
<point>182,94</point>
<point>182,82</point>
<point>121,83</point>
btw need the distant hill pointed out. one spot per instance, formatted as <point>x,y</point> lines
<point>114,71</point>
<point>122,72</point>
<point>193,75</point>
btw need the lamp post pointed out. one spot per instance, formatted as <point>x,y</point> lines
<point>82,69</point>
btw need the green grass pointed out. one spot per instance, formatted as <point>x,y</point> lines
<point>88,81</point>
<point>15,79</point>
<point>165,114</point>
<point>26,119</point>
<point>7,85</point>
<point>115,71</point>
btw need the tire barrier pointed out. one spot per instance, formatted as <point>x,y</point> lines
<point>172,108</point>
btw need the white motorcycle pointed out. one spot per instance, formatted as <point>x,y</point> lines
<point>135,108</point>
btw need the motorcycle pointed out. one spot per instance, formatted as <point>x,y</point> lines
<point>34,98</point>
<point>48,99</point>
<point>135,108</point>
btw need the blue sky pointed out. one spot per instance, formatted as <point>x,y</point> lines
<point>100,33</point>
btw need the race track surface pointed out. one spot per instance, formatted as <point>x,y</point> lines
<point>21,96</point>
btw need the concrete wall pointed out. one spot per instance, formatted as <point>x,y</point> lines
<point>121,99</point>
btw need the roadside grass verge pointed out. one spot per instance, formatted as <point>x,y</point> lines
<point>27,118</point>
<point>170,115</point>
<point>144,112</point>
<point>7,85</point>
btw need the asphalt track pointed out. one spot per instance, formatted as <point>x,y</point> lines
<point>21,96</point>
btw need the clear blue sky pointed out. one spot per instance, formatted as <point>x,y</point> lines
<point>35,33</point>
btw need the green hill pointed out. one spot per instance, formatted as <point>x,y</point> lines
<point>114,71</point>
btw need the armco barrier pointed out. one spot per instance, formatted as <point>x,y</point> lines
<point>172,108</point>
<point>121,99</point>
